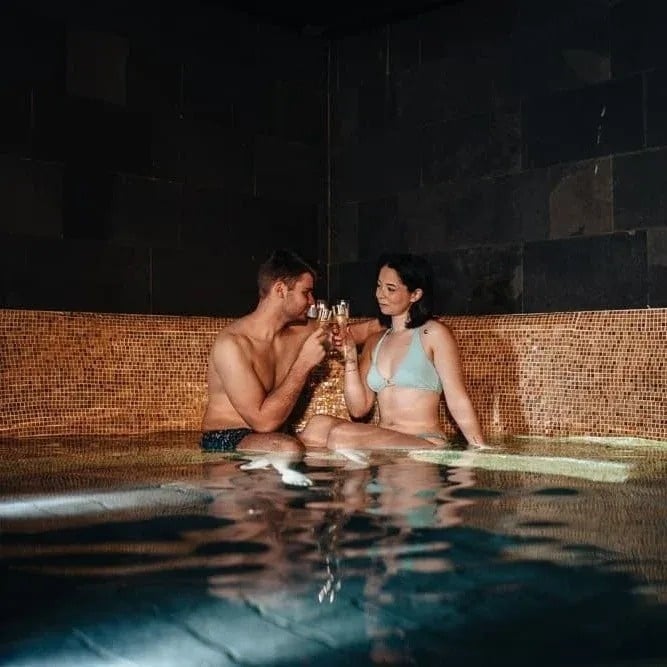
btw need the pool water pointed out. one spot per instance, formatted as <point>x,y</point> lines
<point>145,551</point>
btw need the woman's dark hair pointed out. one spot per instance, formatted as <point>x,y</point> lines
<point>415,273</point>
<point>282,265</point>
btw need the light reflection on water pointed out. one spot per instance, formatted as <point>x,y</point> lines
<point>173,557</point>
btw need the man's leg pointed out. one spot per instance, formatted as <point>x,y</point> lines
<point>280,450</point>
<point>271,443</point>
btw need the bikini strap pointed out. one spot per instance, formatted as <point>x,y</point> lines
<point>376,349</point>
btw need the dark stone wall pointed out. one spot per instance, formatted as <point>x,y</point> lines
<point>520,145</point>
<point>150,158</point>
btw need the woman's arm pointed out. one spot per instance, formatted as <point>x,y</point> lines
<point>441,342</point>
<point>359,398</point>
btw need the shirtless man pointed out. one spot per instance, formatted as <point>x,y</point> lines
<point>259,365</point>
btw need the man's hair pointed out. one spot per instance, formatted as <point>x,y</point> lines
<point>283,265</point>
<point>415,273</point>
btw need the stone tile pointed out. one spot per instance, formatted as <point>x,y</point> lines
<point>594,273</point>
<point>656,107</point>
<point>288,171</point>
<point>379,229</point>
<point>640,190</point>
<point>345,116</point>
<point>146,211</point>
<point>97,65</point>
<point>465,213</point>
<point>217,219</point>
<point>483,145</point>
<point>465,28</point>
<point>248,226</point>
<point>444,89</point>
<point>377,168</point>
<point>362,58</point>
<point>199,95</point>
<point>167,139</point>
<point>376,107</point>
<point>345,234</point>
<point>474,281</point>
<point>657,267</point>
<point>404,45</point>
<point>87,203</point>
<point>531,195</point>
<point>31,197</point>
<point>84,276</point>
<point>253,103</point>
<point>204,281</point>
<point>298,112</point>
<point>12,270</point>
<point>153,83</point>
<point>90,132</point>
<point>32,49</point>
<point>563,45</point>
<point>637,36</point>
<point>303,57</point>
<point>356,282</point>
<point>214,156</point>
<point>579,124</point>
<point>49,126</point>
<point>581,199</point>
<point>14,120</point>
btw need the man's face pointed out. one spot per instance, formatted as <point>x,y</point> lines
<point>299,297</point>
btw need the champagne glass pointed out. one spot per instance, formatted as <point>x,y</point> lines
<point>341,313</point>
<point>324,314</point>
<point>314,310</point>
<point>324,318</point>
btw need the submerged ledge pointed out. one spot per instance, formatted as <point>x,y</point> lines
<point>596,471</point>
<point>609,441</point>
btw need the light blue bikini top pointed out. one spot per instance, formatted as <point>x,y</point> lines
<point>415,371</point>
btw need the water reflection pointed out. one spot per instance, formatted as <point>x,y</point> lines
<point>401,562</point>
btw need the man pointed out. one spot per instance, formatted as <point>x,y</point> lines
<point>259,365</point>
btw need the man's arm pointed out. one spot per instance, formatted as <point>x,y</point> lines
<point>264,412</point>
<point>360,332</point>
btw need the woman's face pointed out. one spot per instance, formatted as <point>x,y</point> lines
<point>392,294</point>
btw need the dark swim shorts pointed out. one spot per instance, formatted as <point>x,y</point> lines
<point>226,440</point>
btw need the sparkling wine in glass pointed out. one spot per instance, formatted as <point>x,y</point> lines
<point>341,313</point>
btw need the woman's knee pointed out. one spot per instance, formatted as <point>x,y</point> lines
<point>316,431</point>
<point>341,436</point>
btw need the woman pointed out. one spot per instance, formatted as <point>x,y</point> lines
<point>405,366</point>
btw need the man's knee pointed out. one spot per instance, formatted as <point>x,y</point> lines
<point>287,444</point>
<point>271,442</point>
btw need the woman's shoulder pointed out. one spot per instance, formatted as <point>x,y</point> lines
<point>374,338</point>
<point>436,325</point>
<point>436,330</point>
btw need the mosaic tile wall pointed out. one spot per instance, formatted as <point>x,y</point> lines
<point>585,373</point>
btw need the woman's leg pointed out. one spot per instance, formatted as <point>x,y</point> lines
<point>349,435</point>
<point>316,432</point>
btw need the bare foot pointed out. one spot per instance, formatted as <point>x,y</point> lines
<point>281,465</point>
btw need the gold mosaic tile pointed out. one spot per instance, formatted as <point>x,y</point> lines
<point>588,373</point>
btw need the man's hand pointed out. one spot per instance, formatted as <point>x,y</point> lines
<point>313,349</point>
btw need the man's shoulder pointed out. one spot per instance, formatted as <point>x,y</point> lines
<point>232,336</point>
<point>297,331</point>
